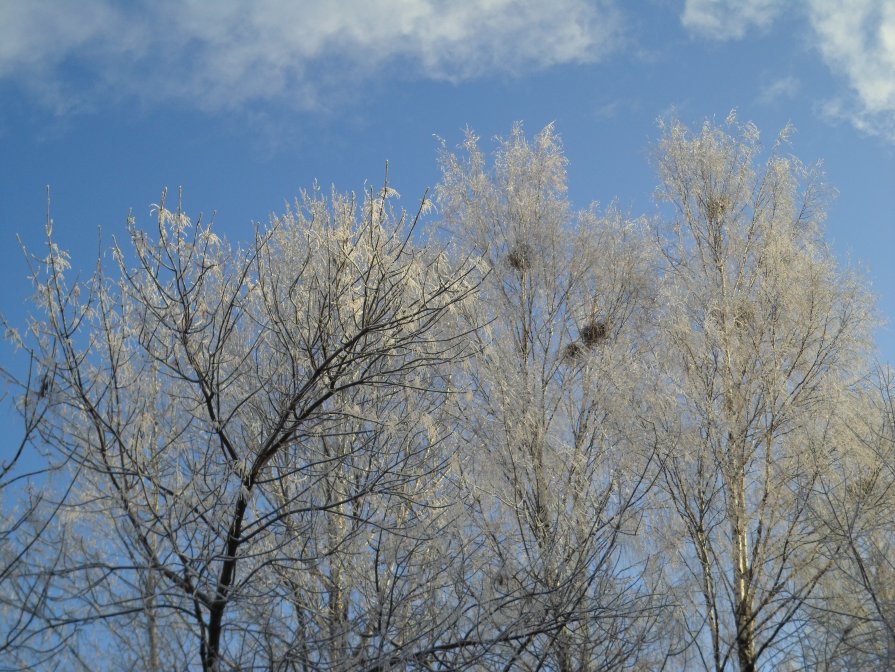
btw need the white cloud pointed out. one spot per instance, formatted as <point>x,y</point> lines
<point>857,41</point>
<point>785,88</point>
<point>34,35</point>
<point>728,19</point>
<point>229,52</point>
<point>39,38</point>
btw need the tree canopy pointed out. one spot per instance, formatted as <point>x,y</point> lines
<point>509,435</point>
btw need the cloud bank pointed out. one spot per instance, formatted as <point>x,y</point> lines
<point>227,53</point>
<point>237,55</point>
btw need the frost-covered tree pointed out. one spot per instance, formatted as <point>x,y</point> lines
<point>762,338</point>
<point>853,611</point>
<point>554,461</point>
<point>27,517</point>
<point>256,436</point>
<point>26,512</point>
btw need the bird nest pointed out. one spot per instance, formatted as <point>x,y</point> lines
<point>520,256</point>
<point>590,335</point>
<point>593,333</point>
<point>572,351</point>
<point>715,208</point>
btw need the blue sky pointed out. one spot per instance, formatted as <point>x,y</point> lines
<point>243,104</point>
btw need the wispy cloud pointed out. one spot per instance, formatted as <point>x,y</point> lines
<point>616,108</point>
<point>785,88</point>
<point>857,41</point>
<point>228,53</point>
<point>728,19</point>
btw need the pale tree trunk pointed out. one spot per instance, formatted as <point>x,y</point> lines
<point>744,616</point>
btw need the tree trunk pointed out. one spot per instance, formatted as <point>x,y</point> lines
<point>743,609</point>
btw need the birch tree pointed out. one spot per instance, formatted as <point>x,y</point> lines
<point>554,463</point>
<point>764,336</point>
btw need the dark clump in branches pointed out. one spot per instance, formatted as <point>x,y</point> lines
<point>593,333</point>
<point>572,352</point>
<point>520,257</point>
<point>716,208</point>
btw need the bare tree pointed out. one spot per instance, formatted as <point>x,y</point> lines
<point>764,336</point>
<point>554,467</point>
<point>257,435</point>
